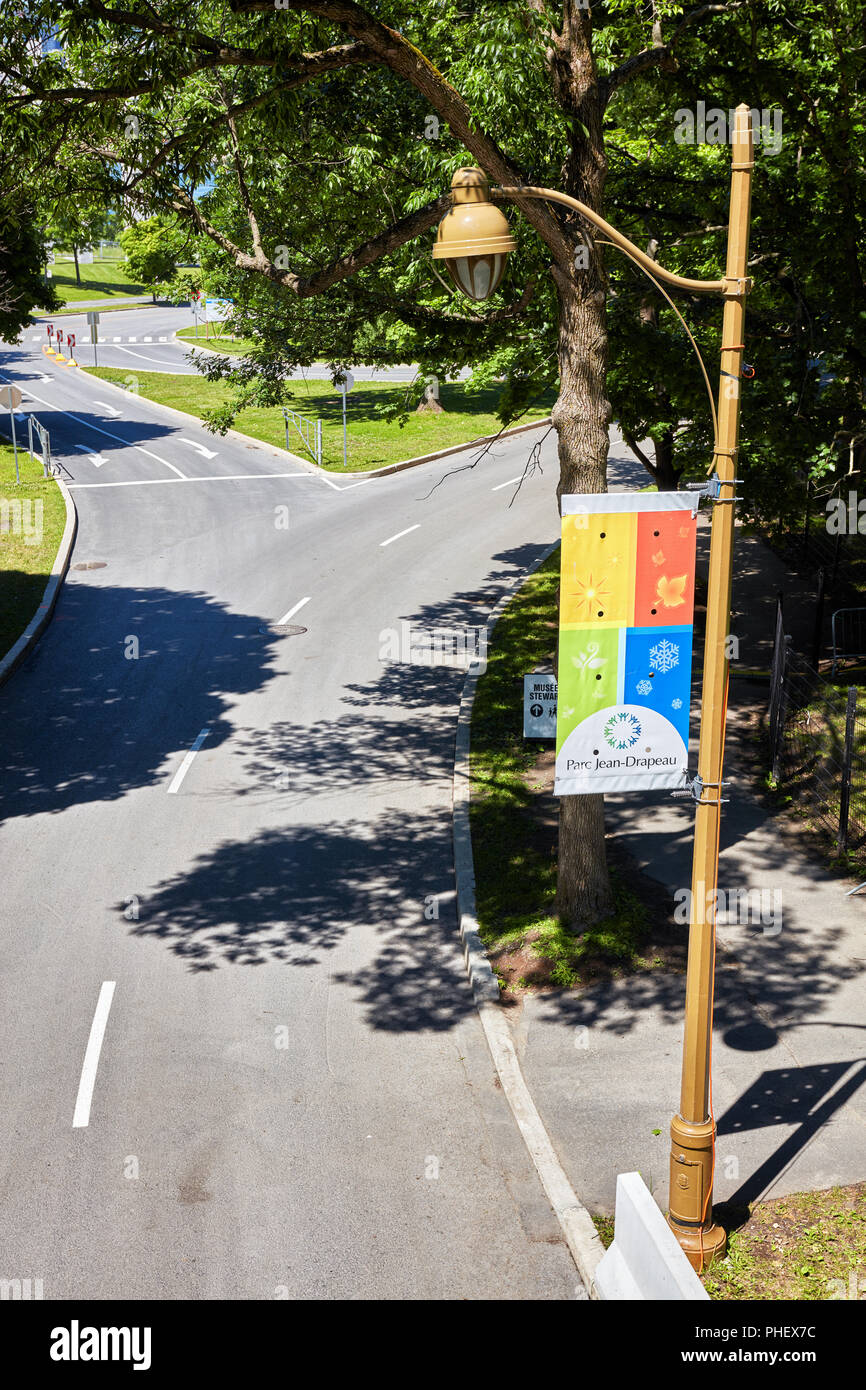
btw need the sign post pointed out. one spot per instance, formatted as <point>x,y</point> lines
<point>93,320</point>
<point>10,396</point>
<point>344,386</point>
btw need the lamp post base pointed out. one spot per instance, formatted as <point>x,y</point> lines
<point>701,1244</point>
<point>691,1192</point>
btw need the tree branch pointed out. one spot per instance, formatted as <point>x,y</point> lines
<point>403,58</point>
<point>661,54</point>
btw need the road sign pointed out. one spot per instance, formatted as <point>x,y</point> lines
<point>10,397</point>
<point>93,318</point>
<point>344,387</point>
<point>539,705</point>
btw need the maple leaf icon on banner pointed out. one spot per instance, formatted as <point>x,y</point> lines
<point>670,591</point>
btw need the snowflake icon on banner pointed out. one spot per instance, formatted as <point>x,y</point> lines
<point>644,687</point>
<point>622,730</point>
<point>665,655</point>
<point>676,704</point>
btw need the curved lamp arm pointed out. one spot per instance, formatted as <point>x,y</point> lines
<point>724,287</point>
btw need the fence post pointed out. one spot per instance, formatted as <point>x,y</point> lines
<point>806,519</point>
<point>319,442</point>
<point>837,546</point>
<point>776,677</point>
<point>819,619</point>
<point>847,760</point>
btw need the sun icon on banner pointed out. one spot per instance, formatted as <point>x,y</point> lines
<point>590,593</point>
<point>622,730</point>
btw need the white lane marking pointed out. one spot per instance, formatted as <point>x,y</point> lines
<point>510,483</point>
<point>145,340</point>
<point>160,361</point>
<point>132,340</point>
<point>400,533</point>
<point>115,340</point>
<point>205,453</point>
<point>81,1118</point>
<point>292,611</point>
<point>214,478</point>
<point>96,459</point>
<point>87,425</point>
<point>109,409</point>
<point>187,763</point>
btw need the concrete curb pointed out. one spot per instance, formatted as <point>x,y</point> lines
<point>42,617</point>
<point>577,1225</point>
<point>362,475</point>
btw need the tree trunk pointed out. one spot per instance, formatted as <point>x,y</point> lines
<point>582,412</point>
<point>75,258</point>
<point>667,475</point>
<point>582,418</point>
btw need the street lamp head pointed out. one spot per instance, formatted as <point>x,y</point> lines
<point>474,236</point>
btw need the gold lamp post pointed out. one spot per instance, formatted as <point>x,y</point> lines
<point>474,239</point>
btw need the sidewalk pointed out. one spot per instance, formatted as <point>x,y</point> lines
<point>603,1066</point>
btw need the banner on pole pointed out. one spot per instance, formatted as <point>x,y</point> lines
<point>626,609</point>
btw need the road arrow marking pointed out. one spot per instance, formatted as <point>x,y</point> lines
<point>96,459</point>
<point>108,409</point>
<point>205,453</point>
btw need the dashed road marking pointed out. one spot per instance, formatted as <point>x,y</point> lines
<point>81,1117</point>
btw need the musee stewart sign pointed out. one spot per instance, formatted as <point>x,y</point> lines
<point>627,591</point>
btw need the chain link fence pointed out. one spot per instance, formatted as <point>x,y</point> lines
<point>817,745</point>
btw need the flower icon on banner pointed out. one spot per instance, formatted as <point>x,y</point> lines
<point>676,704</point>
<point>644,687</point>
<point>622,730</point>
<point>664,656</point>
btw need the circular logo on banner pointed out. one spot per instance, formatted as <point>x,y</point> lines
<point>622,730</point>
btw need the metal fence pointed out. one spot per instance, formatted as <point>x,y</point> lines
<point>309,430</point>
<point>817,745</point>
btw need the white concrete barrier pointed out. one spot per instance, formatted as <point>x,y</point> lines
<point>645,1260</point>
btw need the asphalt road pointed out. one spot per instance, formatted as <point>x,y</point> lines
<point>143,340</point>
<point>247,834</point>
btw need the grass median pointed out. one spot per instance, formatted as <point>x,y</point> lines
<point>372,440</point>
<point>514,821</point>
<point>32,518</point>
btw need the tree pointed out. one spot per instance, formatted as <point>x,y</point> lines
<point>326,133</point>
<point>23,286</point>
<point>71,225</point>
<point>152,248</point>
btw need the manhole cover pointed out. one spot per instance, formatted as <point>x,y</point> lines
<point>283,630</point>
<point>91,565</point>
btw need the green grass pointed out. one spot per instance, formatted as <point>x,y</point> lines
<point>25,567</point>
<point>236,346</point>
<point>513,849</point>
<point>373,442</point>
<point>106,279</point>
<point>795,1248</point>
